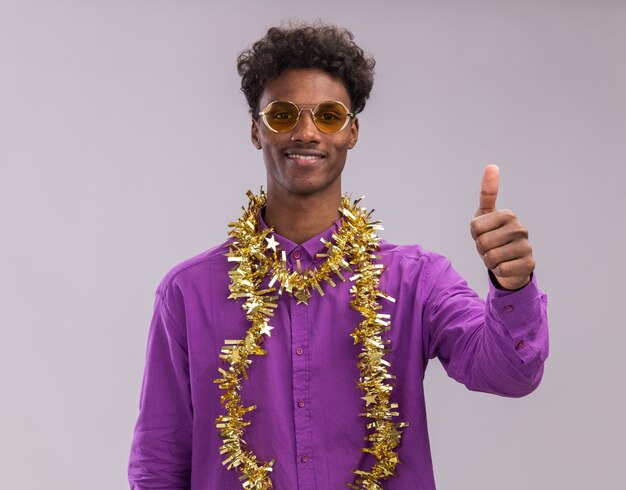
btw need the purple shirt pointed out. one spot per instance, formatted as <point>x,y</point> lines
<point>305,388</point>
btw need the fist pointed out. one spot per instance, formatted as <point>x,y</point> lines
<point>501,239</point>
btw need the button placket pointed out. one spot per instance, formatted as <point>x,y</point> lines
<point>301,381</point>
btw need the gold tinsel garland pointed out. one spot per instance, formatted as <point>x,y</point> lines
<point>353,246</point>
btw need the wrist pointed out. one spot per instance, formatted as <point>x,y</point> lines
<point>509,283</point>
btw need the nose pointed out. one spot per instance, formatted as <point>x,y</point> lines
<point>306,131</point>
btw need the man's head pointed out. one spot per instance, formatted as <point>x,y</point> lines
<point>326,47</point>
<point>308,82</point>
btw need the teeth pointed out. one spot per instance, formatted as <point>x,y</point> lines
<point>303,157</point>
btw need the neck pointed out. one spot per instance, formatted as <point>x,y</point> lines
<point>300,218</point>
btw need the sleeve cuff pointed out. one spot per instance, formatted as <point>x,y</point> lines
<point>520,314</point>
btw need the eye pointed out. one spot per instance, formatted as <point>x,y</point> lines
<point>282,112</point>
<point>329,116</point>
<point>281,115</point>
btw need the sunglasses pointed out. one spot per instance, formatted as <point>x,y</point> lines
<point>329,116</point>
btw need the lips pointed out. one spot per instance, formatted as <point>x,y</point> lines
<point>298,156</point>
<point>305,157</point>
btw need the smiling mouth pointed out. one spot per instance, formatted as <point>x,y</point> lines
<point>300,156</point>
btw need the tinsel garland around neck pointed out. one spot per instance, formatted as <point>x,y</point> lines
<point>256,255</point>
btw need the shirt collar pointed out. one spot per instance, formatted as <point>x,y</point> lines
<point>312,246</point>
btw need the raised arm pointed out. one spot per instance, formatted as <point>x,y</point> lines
<point>498,346</point>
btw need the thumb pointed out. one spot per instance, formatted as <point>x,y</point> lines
<point>488,190</point>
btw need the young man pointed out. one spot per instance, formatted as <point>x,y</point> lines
<point>293,355</point>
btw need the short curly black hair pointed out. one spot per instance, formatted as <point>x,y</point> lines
<point>324,46</point>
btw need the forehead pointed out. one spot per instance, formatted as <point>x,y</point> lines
<point>304,86</point>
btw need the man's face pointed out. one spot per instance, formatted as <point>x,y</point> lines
<point>304,160</point>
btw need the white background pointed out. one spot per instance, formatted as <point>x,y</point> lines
<point>124,149</point>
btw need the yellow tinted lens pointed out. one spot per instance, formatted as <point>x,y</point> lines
<point>330,116</point>
<point>281,116</point>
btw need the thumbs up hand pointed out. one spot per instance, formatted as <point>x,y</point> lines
<point>501,239</point>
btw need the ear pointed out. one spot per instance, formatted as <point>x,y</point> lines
<point>254,134</point>
<point>354,132</point>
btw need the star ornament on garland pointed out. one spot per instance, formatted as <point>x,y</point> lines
<point>265,330</point>
<point>369,399</point>
<point>271,243</point>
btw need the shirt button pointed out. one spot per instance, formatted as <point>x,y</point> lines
<point>508,308</point>
<point>297,254</point>
<point>304,458</point>
<point>299,351</point>
<point>301,403</point>
<point>520,345</point>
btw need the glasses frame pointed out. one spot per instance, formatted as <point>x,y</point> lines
<point>263,115</point>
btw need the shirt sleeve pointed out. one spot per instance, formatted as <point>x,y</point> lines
<point>496,346</point>
<point>161,448</point>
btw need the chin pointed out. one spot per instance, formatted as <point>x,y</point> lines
<point>311,188</point>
